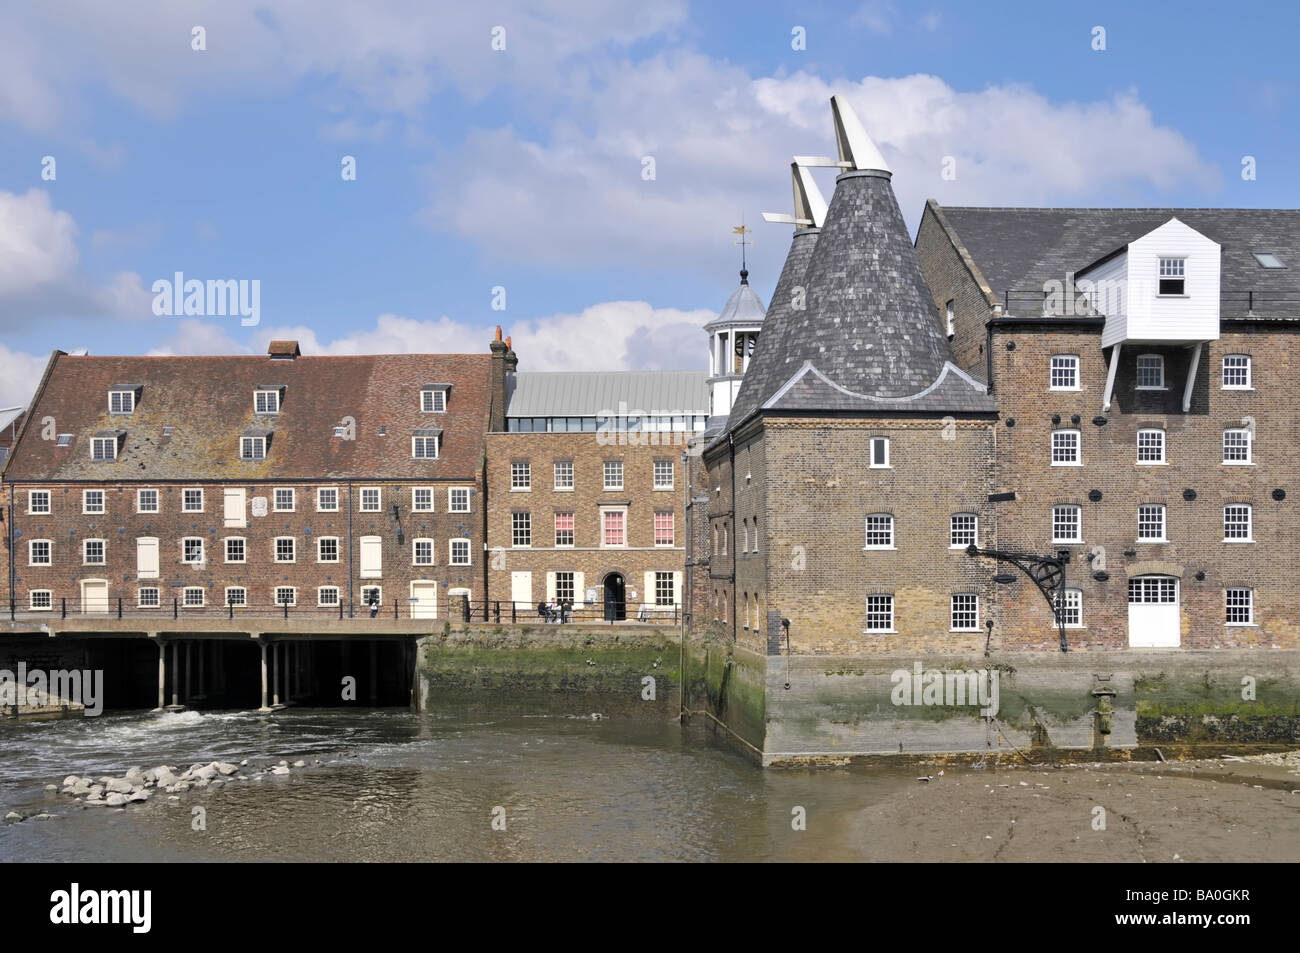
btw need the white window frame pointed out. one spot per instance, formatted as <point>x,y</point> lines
<point>672,543</point>
<point>103,552</point>
<point>451,552</point>
<point>555,476</point>
<point>185,503</point>
<point>185,597</point>
<point>139,597</point>
<point>1138,368</point>
<point>1248,367</point>
<point>31,600</point>
<point>379,499</point>
<point>225,596</point>
<point>320,597</point>
<point>1248,605</point>
<point>49,552</point>
<point>293,546</point>
<point>377,589</point>
<point>31,502</point>
<point>606,471</point>
<point>672,474</point>
<point>293,596</point>
<point>275,499</point>
<point>125,397</point>
<point>609,510</point>
<point>85,503</point>
<point>1078,522</point>
<point>952,530</point>
<point>321,507</point>
<point>871,454</point>
<point>521,476</point>
<point>1162,459</point>
<point>338,550</point>
<point>521,527</point>
<point>1073,601</point>
<point>103,448</point>
<point>1164,523</point>
<point>882,608</point>
<point>952,612</point>
<point>252,448</point>
<point>1069,362</point>
<point>451,499</point>
<point>202,557</point>
<point>868,530</point>
<point>1250,447</point>
<point>225,549</point>
<point>416,507</point>
<point>572,531</point>
<point>415,551</point>
<point>420,446</point>
<point>1078,448</point>
<point>263,398</point>
<point>1250,523</point>
<point>1173,268</point>
<point>139,501</point>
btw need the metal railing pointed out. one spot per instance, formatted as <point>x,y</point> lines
<point>495,610</point>
<point>177,608</point>
<point>1032,303</point>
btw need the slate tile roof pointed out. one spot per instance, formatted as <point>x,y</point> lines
<point>208,401</point>
<point>1019,249</point>
<point>868,340</point>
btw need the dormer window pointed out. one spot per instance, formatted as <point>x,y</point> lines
<point>1172,276</point>
<point>252,446</point>
<point>424,444</point>
<point>1268,260</point>
<point>266,400</point>
<point>433,398</point>
<point>121,401</point>
<point>103,447</point>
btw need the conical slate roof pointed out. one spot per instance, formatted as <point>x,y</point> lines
<point>869,338</point>
<point>744,307</point>
<point>766,366</point>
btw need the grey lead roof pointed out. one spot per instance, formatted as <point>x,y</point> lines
<point>1019,249</point>
<point>591,393</point>
<point>868,339</point>
<point>744,307</point>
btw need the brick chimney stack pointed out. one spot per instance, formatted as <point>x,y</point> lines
<point>497,415</point>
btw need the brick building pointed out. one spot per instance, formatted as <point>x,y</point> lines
<point>857,458</point>
<point>1140,359</point>
<point>185,485</point>
<point>585,490</point>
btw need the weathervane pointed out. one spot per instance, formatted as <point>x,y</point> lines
<point>742,231</point>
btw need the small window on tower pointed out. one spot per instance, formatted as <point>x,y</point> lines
<point>879,452</point>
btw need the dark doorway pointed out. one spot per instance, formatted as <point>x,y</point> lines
<point>615,600</point>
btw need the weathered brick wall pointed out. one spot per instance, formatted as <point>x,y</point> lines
<point>1109,454</point>
<point>588,452</point>
<point>722,568</point>
<point>67,526</point>
<point>950,279</point>
<point>821,492</point>
<point>750,548</point>
<point>699,590</point>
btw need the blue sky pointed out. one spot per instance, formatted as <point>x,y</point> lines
<point>522,168</point>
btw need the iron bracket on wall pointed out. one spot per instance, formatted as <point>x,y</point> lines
<point>1047,573</point>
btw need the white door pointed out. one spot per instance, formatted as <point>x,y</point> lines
<point>1153,616</point>
<point>94,595</point>
<point>146,557</point>
<point>234,508</point>
<point>424,600</point>
<point>372,557</point>
<point>521,587</point>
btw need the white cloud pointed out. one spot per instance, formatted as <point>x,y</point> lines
<point>19,374</point>
<point>40,272</point>
<point>611,335</point>
<point>876,15</point>
<point>722,143</point>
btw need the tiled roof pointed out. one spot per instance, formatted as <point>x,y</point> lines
<point>1018,249</point>
<point>743,307</point>
<point>589,393</point>
<point>868,339</point>
<point>209,403</point>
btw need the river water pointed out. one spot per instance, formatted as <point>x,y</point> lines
<point>399,786</point>
<point>396,786</point>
